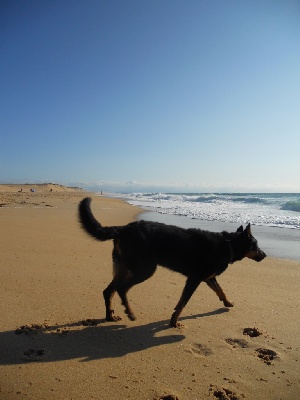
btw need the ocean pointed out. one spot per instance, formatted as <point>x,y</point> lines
<point>275,217</point>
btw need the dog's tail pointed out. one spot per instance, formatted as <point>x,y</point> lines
<point>91,225</point>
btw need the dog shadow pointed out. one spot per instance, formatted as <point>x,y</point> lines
<point>86,340</point>
<point>85,343</point>
<point>221,310</point>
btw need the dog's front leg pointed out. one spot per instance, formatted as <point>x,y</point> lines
<point>191,285</point>
<point>213,284</point>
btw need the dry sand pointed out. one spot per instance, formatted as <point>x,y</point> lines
<point>52,277</point>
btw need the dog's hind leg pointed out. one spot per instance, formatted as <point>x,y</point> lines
<point>108,294</point>
<point>213,284</point>
<point>125,279</point>
<point>191,285</point>
<point>120,275</point>
<point>122,288</point>
<point>133,279</point>
<point>122,292</point>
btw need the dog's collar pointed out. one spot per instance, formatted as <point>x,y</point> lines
<point>231,252</point>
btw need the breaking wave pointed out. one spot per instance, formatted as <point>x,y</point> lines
<point>292,206</point>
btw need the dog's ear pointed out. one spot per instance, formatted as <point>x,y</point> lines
<point>248,230</point>
<point>240,229</point>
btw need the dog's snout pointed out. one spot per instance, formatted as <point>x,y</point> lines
<point>261,255</point>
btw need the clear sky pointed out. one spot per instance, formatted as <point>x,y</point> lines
<point>193,95</point>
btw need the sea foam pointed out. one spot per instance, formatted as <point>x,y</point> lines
<point>275,210</point>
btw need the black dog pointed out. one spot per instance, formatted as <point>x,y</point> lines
<point>140,246</point>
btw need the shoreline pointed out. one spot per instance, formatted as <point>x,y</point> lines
<point>55,343</point>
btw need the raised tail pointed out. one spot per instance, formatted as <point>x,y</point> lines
<point>91,225</point>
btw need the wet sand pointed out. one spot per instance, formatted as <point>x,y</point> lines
<point>55,343</point>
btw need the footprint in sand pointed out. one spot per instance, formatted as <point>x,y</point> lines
<point>41,329</point>
<point>34,355</point>
<point>241,343</point>
<point>266,355</point>
<point>252,332</point>
<point>29,329</point>
<point>198,349</point>
<point>225,394</point>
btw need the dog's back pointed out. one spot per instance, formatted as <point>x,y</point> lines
<point>182,250</point>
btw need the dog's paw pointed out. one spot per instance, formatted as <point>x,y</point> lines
<point>228,303</point>
<point>115,318</point>
<point>110,317</point>
<point>176,324</point>
<point>131,316</point>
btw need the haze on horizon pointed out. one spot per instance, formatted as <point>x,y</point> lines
<point>151,96</point>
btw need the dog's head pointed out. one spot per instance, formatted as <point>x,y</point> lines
<point>247,245</point>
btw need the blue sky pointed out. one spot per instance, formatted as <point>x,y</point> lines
<point>151,95</point>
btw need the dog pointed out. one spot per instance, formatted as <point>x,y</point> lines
<point>140,246</point>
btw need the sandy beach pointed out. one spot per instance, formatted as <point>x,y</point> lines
<point>55,343</point>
